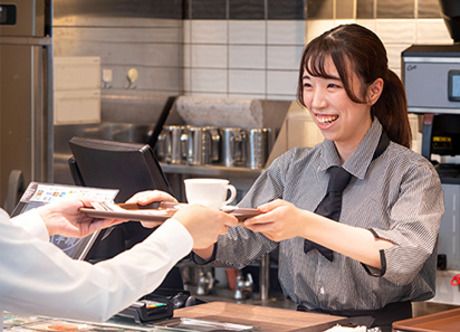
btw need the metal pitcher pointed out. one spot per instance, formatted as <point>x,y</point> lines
<point>259,144</point>
<point>173,141</point>
<point>233,146</point>
<point>203,145</point>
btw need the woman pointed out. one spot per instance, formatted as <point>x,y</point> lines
<point>380,256</point>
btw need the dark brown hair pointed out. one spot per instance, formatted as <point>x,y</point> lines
<point>353,47</point>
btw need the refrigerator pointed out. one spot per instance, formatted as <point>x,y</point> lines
<point>26,114</point>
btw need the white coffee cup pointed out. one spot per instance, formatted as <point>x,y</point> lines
<point>209,192</point>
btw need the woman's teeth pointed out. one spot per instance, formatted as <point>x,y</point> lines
<point>327,118</point>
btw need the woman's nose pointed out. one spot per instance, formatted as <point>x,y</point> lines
<point>318,99</point>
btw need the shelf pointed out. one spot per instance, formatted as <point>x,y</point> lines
<point>212,170</point>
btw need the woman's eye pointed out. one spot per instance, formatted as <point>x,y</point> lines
<point>306,84</point>
<point>334,86</point>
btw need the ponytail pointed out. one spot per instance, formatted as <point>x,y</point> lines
<point>391,110</point>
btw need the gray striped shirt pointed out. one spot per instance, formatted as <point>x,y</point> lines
<point>397,197</point>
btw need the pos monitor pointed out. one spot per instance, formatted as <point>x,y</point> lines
<point>128,167</point>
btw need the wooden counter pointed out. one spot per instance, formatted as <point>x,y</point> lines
<point>444,321</point>
<point>262,318</point>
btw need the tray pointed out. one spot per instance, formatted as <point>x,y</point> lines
<point>444,321</point>
<point>160,214</point>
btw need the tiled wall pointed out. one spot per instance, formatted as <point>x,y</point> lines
<point>141,34</point>
<point>251,48</point>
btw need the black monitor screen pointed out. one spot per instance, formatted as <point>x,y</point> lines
<point>127,167</point>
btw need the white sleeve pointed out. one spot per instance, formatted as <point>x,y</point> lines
<point>32,222</point>
<point>38,278</point>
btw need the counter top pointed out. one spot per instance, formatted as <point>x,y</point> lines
<point>261,318</point>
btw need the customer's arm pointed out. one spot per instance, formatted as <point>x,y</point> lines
<point>38,278</point>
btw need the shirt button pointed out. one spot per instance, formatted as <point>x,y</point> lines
<point>321,290</point>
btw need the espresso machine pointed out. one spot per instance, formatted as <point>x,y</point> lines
<point>431,76</point>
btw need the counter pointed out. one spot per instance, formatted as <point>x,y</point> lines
<point>258,317</point>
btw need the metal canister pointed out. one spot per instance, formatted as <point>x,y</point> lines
<point>173,144</point>
<point>259,141</point>
<point>233,146</point>
<point>202,145</point>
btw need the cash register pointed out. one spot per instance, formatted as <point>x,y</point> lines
<point>431,77</point>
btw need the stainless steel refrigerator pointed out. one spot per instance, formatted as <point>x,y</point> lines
<point>26,115</point>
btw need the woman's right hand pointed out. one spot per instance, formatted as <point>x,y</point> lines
<point>150,196</point>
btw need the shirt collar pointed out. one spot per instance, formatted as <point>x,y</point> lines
<point>359,161</point>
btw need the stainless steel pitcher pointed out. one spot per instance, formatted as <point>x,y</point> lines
<point>259,144</point>
<point>203,145</point>
<point>233,146</point>
<point>170,145</point>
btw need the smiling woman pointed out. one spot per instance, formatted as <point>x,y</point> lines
<point>360,206</point>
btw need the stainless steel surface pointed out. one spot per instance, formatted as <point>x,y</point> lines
<point>258,147</point>
<point>26,95</point>
<point>264,277</point>
<point>175,141</point>
<point>202,145</point>
<point>30,21</point>
<point>233,146</point>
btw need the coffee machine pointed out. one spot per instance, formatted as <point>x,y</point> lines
<point>431,76</point>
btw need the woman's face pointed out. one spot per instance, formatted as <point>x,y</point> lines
<point>338,117</point>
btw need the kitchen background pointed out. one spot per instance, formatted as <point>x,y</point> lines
<point>234,48</point>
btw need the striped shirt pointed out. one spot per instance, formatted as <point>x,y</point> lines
<point>397,196</point>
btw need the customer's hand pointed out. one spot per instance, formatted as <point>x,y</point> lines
<point>280,220</point>
<point>64,218</point>
<point>205,224</point>
<point>150,196</point>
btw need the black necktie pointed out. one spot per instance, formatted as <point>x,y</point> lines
<point>331,205</point>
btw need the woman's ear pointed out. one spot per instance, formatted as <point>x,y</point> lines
<point>374,91</point>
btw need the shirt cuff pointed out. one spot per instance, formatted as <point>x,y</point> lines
<point>174,236</point>
<point>372,271</point>
<point>200,261</point>
<point>32,223</point>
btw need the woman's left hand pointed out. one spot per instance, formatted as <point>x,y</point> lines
<point>280,220</point>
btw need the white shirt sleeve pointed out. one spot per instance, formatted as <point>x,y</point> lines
<point>38,278</point>
<point>32,222</point>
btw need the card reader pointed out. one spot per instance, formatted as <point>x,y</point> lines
<point>148,310</point>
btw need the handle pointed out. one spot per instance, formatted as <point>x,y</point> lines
<point>185,146</point>
<point>215,144</point>
<point>232,194</point>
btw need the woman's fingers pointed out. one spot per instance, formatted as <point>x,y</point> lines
<point>263,218</point>
<point>272,205</point>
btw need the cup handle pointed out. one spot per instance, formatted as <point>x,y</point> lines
<point>232,194</point>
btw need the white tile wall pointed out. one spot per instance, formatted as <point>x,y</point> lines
<point>209,31</point>
<point>432,31</point>
<point>247,57</point>
<point>250,81</point>
<point>282,82</point>
<point>247,32</point>
<point>316,27</point>
<point>261,58</point>
<point>209,80</point>
<point>396,31</point>
<point>209,56</point>
<point>286,32</point>
<point>284,57</point>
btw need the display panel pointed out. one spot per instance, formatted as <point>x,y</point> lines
<point>454,85</point>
